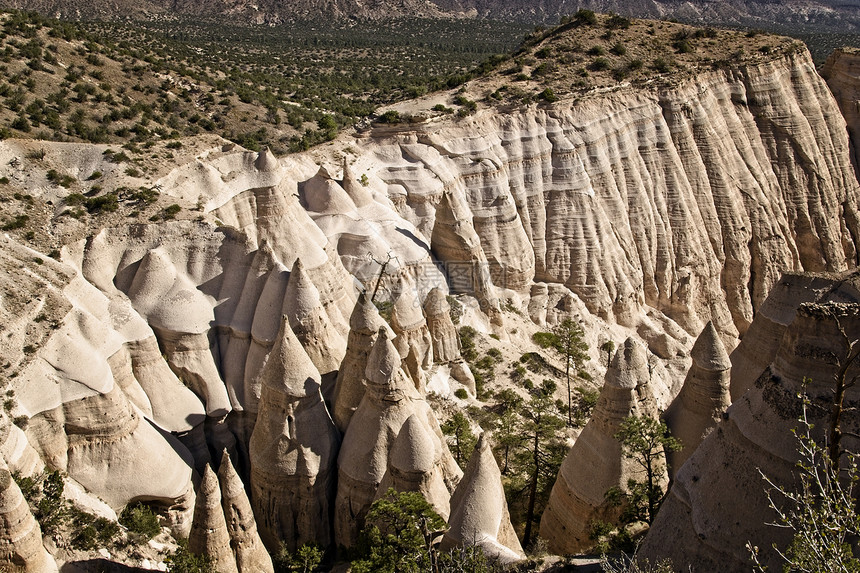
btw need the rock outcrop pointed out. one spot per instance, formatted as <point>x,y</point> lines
<point>595,462</point>
<point>413,340</point>
<point>368,448</point>
<point>710,514</point>
<point>251,556</point>
<point>842,72</point>
<point>364,324</point>
<point>703,399</point>
<point>414,464</point>
<point>446,340</point>
<point>309,320</point>
<point>669,199</point>
<point>293,450</point>
<point>20,535</point>
<point>479,512</point>
<point>209,535</point>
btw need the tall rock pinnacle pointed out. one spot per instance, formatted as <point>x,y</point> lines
<point>596,463</point>
<point>703,399</point>
<point>479,512</point>
<point>209,535</point>
<point>293,449</point>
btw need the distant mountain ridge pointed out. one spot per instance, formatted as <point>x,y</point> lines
<point>809,15</point>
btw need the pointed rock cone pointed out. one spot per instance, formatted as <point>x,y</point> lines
<point>209,534</point>
<point>251,555</point>
<point>293,450</point>
<point>414,466</point>
<point>413,341</point>
<point>595,462</point>
<point>266,160</point>
<point>703,399</point>
<point>308,319</point>
<point>446,340</point>
<point>359,194</point>
<point>20,535</point>
<point>479,512</point>
<point>364,324</point>
<point>363,462</point>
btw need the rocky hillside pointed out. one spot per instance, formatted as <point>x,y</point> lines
<point>819,15</point>
<point>225,301</point>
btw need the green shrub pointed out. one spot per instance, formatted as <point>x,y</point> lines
<point>461,393</point>
<point>586,17</point>
<point>599,64</point>
<point>140,520</point>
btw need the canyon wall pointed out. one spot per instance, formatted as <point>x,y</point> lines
<point>656,210</point>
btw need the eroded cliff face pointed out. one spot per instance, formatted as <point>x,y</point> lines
<point>691,200</point>
<point>647,212</point>
<point>719,501</point>
<point>842,72</point>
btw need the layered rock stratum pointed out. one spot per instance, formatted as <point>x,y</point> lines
<point>142,351</point>
<point>719,497</point>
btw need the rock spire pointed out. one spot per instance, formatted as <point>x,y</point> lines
<point>479,512</point>
<point>364,324</point>
<point>20,535</point>
<point>251,556</point>
<point>292,449</point>
<point>209,535</point>
<point>595,462</point>
<point>703,399</point>
<point>368,449</point>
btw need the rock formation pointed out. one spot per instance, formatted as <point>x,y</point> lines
<point>364,324</point>
<point>209,535</point>
<point>479,512</point>
<point>595,462</point>
<point>310,322</point>
<point>251,556</point>
<point>710,513</point>
<point>293,450</point>
<point>445,338</point>
<point>842,72</point>
<point>703,399</point>
<point>20,535</point>
<point>413,340</point>
<point>389,401</point>
<point>414,465</point>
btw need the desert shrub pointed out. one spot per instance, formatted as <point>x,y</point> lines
<point>140,520</point>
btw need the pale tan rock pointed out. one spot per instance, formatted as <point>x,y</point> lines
<point>389,400</point>
<point>251,555</point>
<point>703,399</point>
<point>264,332</point>
<point>114,453</point>
<point>454,239</point>
<point>359,194</point>
<point>175,408</point>
<point>310,322</point>
<point>121,368</point>
<point>16,450</point>
<point>292,450</point>
<point>446,340</point>
<point>590,182</point>
<point>595,462</point>
<point>414,465</point>
<point>364,325</point>
<point>209,534</point>
<point>842,72</point>
<point>413,340</point>
<point>710,513</point>
<point>479,511</point>
<point>20,535</point>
